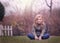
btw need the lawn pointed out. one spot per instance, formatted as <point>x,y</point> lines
<point>24,39</point>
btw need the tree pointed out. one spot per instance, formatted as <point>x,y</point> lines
<point>50,6</point>
<point>2,11</point>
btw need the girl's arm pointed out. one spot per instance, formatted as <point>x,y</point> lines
<point>43,31</point>
<point>34,33</point>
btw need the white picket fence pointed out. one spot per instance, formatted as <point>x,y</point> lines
<point>6,30</point>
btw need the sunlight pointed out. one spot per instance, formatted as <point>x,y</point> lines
<point>26,2</point>
<point>20,5</point>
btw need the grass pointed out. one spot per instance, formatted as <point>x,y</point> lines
<point>24,39</point>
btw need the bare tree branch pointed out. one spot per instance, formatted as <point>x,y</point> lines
<point>50,6</point>
<point>47,3</point>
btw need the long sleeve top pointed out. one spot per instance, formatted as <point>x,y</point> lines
<point>38,31</point>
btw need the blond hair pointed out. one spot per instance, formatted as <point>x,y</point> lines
<point>36,17</point>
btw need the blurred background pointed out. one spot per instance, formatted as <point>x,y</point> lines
<point>16,16</point>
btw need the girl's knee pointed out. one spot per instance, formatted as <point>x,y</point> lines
<point>45,36</point>
<point>31,36</point>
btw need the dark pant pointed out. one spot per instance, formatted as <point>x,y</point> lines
<point>32,37</point>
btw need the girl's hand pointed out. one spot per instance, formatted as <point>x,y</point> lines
<point>40,38</point>
<point>36,38</point>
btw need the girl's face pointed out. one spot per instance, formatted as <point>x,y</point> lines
<point>39,20</point>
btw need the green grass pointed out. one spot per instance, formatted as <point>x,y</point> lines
<point>24,39</point>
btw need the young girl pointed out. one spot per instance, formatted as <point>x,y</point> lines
<point>39,30</point>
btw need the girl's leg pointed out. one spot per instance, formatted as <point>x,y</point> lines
<point>31,36</point>
<point>45,36</point>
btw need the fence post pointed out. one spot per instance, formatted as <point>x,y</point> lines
<point>5,30</point>
<point>1,27</point>
<point>8,30</point>
<point>11,31</point>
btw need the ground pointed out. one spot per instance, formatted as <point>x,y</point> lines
<point>24,39</point>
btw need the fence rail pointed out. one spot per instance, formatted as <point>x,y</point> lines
<point>6,30</point>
